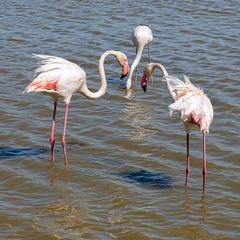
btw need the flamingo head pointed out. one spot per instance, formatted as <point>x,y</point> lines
<point>123,61</point>
<point>147,73</point>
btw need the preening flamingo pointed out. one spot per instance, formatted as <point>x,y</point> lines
<point>193,106</point>
<point>61,78</point>
<point>141,37</point>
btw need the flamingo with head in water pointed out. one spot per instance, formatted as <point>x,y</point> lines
<point>193,106</point>
<point>141,37</point>
<point>61,78</point>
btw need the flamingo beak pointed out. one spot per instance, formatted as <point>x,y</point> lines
<point>144,82</point>
<point>144,88</point>
<point>125,69</point>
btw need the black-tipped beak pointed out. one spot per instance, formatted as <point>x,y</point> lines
<point>123,76</point>
<point>144,87</point>
<point>144,82</point>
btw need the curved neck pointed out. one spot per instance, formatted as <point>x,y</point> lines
<point>161,67</point>
<point>85,91</point>
<point>134,65</point>
<point>165,74</point>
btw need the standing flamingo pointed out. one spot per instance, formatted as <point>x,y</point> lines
<point>61,78</point>
<point>141,37</point>
<point>193,105</point>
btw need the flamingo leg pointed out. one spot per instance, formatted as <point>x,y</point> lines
<point>149,55</point>
<point>136,70</point>
<point>204,171</point>
<point>188,161</point>
<point>64,135</point>
<point>52,138</point>
<point>149,58</point>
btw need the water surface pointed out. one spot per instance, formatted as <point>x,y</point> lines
<point>127,159</point>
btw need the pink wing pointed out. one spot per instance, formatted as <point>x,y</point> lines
<point>42,84</point>
<point>51,70</point>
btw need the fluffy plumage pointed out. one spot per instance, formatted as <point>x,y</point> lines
<point>193,106</point>
<point>190,102</point>
<point>61,78</point>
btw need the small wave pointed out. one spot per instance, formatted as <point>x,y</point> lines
<point>16,152</point>
<point>160,180</point>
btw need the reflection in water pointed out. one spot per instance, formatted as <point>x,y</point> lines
<point>7,152</point>
<point>59,175</point>
<point>138,116</point>
<point>203,208</point>
<point>116,81</point>
<point>60,216</point>
<point>189,208</point>
<point>128,94</point>
<point>65,216</point>
<point>204,182</point>
<point>160,180</point>
<point>87,200</point>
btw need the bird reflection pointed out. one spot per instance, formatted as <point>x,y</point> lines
<point>10,152</point>
<point>138,115</point>
<point>189,206</point>
<point>149,178</point>
<point>203,207</point>
<point>59,175</point>
<point>128,94</point>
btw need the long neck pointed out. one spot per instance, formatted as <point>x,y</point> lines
<point>134,65</point>
<point>165,74</point>
<point>161,67</point>
<point>86,92</point>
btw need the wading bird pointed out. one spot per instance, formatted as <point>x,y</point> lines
<point>141,37</point>
<point>61,78</point>
<point>193,106</point>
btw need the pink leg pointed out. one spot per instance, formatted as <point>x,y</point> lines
<point>52,138</point>
<point>188,161</point>
<point>149,55</point>
<point>204,171</point>
<point>64,135</point>
<point>136,70</point>
<point>149,58</point>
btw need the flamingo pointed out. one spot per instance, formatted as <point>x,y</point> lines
<point>193,106</point>
<point>141,37</point>
<point>61,78</point>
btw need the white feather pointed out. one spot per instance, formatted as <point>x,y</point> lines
<point>190,101</point>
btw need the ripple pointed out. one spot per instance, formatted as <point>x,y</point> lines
<point>127,158</point>
<point>8,152</point>
<point>144,177</point>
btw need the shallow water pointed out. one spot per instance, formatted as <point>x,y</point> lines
<point>126,171</point>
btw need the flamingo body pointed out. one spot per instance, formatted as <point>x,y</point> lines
<point>58,77</point>
<point>192,105</point>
